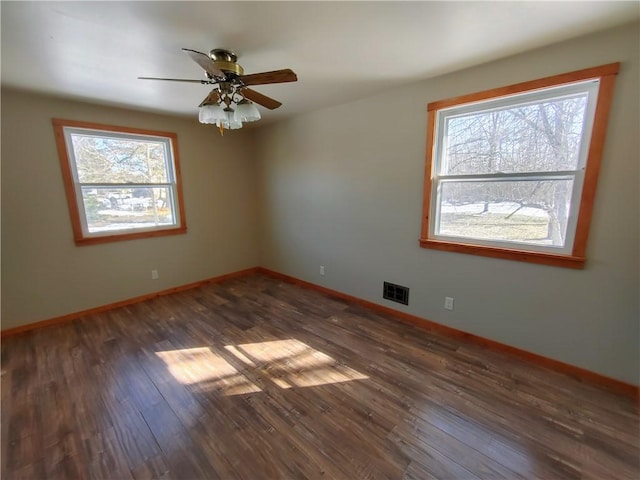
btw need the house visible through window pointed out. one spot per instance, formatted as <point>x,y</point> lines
<point>513,171</point>
<point>121,183</point>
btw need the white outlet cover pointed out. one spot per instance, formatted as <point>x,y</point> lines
<point>448,303</point>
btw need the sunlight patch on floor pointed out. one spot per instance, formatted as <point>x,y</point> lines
<point>287,363</point>
<point>201,366</point>
<point>292,363</point>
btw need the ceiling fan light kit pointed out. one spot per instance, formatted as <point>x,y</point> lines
<point>230,103</point>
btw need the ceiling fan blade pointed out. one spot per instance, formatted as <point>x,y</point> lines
<point>204,82</point>
<point>213,97</point>
<point>277,76</point>
<point>261,99</point>
<point>205,62</point>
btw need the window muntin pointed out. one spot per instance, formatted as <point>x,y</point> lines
<point>506,164</point>
<point>121,183</point>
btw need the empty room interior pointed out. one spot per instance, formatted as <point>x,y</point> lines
<point>303,240</point>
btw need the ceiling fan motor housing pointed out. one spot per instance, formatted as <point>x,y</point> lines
<point>226,60</point>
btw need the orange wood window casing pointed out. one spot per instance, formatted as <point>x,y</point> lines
<point>606,74</point>
<point>72,200</point>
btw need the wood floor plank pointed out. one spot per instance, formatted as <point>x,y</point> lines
<point>183,456</point>
<point>153,468</point>
<point>253,378</point>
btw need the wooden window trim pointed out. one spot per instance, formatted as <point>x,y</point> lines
<point>72,201</point>
<point>607,75</point>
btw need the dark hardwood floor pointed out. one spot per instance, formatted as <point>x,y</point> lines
<point>258,379</point>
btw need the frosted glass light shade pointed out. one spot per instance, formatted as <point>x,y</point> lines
<point>247,112</point>
<point>229,121</point>
<point>211,114</point>
<point>229,125</point>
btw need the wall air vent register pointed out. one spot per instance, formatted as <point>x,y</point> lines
<point>396,293</point>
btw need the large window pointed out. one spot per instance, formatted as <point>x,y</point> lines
<point>121,183</point>
<point>512,172</point>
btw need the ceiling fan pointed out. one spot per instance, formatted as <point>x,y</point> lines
<point>230,102</point>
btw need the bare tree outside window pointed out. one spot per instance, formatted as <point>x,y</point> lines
<point>542,137</point>
<point>121,183</point>
<point>103,162</point>
<point>510,167</point>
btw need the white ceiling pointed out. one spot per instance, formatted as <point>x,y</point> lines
<point>340,50</point>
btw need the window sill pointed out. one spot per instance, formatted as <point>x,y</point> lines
<point>129,236</point>
<point>566,261</point>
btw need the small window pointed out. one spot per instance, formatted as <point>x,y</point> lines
<point>121,183</point>
<point>512,172</point>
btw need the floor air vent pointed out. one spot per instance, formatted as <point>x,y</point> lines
<point>396,293</point>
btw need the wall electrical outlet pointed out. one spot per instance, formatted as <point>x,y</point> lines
<point>448,303</point>
<point>154,274</point>
<point>321,269</point>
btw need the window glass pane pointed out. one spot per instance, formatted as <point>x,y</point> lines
<point>110,209</point>
<point>118,160</point>
<point>528,137</point>
<point>532,212</point>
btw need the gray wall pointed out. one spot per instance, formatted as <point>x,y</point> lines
<point>342,187</point>
<point>44,274</point>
